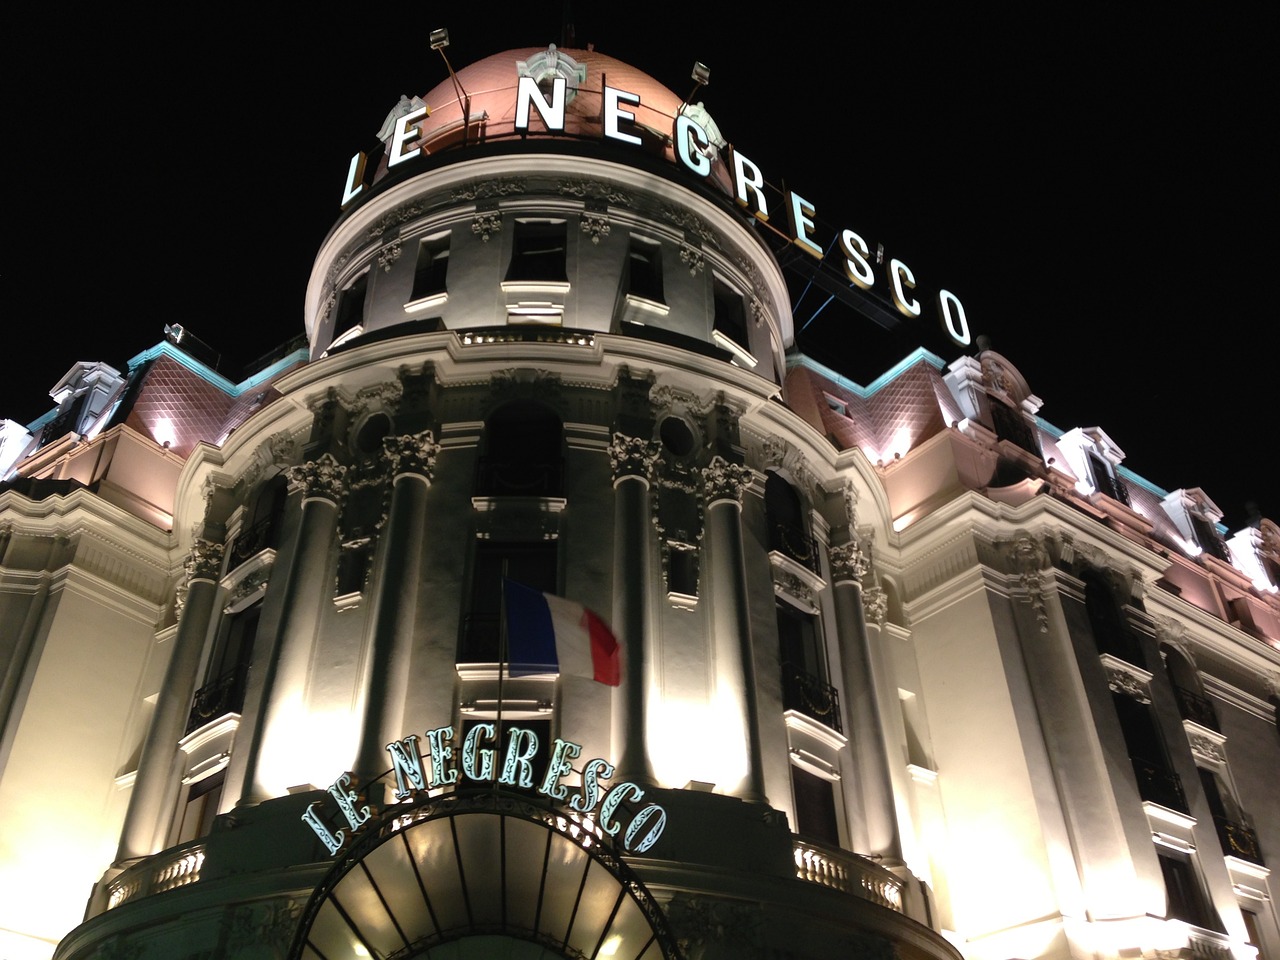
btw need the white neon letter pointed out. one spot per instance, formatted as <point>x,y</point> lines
<point>611,801</point>
<point>612,112</point>
<point>442,772</point>
<point>471,750</point>
<point>347,800</point>
<point>332,841</point>
<point>901,276</point>
<point>800,216</point>
<point>405,131</point>
<point>557,767</point>
<point>517,759</point>
<point>953,318</point>
<point>552,113</point>
<point>355,178</point>
<point>592,774</point>
<point>742,180</point>
<point>856,267</point>
<point>406,762</point>
<point>688,132</point>
<point>651,812</point>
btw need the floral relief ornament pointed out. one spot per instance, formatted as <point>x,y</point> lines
<point>632,456</point>
<point>412,453</point>
<point>323,477</point>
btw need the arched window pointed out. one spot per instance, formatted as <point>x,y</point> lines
<point>1111,634</point>
<point>522,452</point>
<point>788,526</point>
<point>261,528</point>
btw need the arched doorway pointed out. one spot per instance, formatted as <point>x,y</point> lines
<point>481,877</point>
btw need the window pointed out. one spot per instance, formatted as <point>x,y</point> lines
<point>1110,633</point>
<point>644,270</point>
<point>804,667</point>
<point>729,318</point>
<point>261,530</point>
<point>1106,480</point>
<point>228,672</point>
<point>538,251</point>
<point>199,807</point>
<point>1156,780</point>
<point>532,564</point>
<point>431,269</point>
<point>1187,900</point>
<point>351,307</point>
<point>815,807</point>
<point>788,526</point>
<point>522,452</point>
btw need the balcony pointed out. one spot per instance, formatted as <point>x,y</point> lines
<point>1238,840</point>
<point>1196,708</point>
<point>847,872</point>
<point>1159,785</point>
<point>509,477</point>
<point>218,698</point>
<point>807,694</point>
<point>792,540</point>
<point>251,541</point>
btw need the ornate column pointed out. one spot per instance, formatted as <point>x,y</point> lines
<point>849,564</point>
<point>411,460</point>
<point>147,820</point>
<point>632,460</point>
<point>730,613</point>
<point>307,590</point>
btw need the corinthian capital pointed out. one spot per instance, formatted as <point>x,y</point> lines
<point>723,480</point>
<point>319,478</point>
<point>849,561</point>
<point>413,453</point>
<point>204,562</point>
<point>632,456</point>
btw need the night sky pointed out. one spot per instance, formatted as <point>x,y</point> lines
<point>1092,182</point>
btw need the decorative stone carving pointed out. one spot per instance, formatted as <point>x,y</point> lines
<point>777,454</point>
<point>324,477</point>
<point>595,190</point>
<point>692,259</point>
<point>486,189</point>
<point>875,605</point>
<point>786,582</point>
<point>252,582</point>
<point>667,399</point>
<point>708,929</point>
<point>632,456</point>
<point>849,561</point>
<point>1028,558</point>
<point>415,453</point>
<point>1206,748</point>
<point>758,312</point>
<point>389,255</point>
<point>595,225</point>
<point>204,562</point>
<point>269,924</point>
<point>722,480</point>
<point>690,223</point>
<point>282,448</point>
<point>1127,679</point>
<point>483,225</point>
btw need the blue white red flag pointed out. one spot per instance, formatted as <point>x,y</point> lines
<point>549,634</point>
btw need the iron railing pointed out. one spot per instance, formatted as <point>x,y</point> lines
<point>218,697</point>
<point>811,696</point>
<point>1160,785</point>
<point>1199,709</point>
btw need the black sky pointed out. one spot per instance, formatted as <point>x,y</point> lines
<point>1097,185</point>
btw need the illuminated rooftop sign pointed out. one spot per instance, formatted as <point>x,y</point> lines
<point>694,148</point>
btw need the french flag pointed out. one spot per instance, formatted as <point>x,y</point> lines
<point>549,634</point>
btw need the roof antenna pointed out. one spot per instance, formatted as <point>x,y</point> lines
<point>568,36</point>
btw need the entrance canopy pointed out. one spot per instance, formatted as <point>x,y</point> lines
<point>481,876</point>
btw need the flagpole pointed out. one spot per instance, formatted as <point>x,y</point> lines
<point>502,662</point>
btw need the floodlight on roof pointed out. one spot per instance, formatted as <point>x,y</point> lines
<point>439,38</point>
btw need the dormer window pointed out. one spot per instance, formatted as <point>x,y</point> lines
<point>1095,460</point>
<point>1196,517</point>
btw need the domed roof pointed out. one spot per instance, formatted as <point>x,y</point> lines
<point>489,87</point>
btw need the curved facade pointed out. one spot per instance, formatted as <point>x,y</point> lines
<point>900,670</point>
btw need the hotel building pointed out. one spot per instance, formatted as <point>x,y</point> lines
<point>906,671</point>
